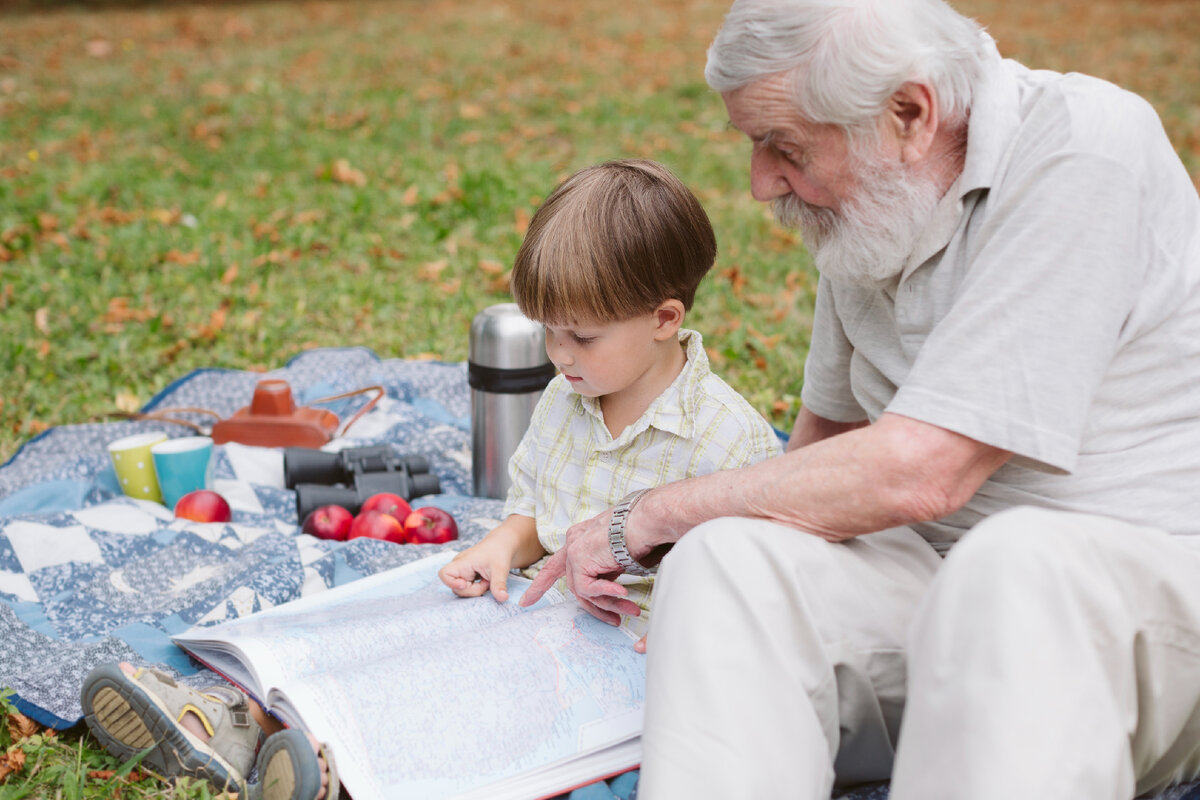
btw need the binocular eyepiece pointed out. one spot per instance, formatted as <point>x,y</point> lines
<point>347,478</point>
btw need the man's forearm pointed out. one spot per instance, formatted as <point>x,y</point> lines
<point>895,472</point>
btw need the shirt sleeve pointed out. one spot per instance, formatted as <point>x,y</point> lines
<point>827,389</point>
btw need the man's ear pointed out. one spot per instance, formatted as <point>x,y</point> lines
<point>913,118</point>
<point>669,316</point>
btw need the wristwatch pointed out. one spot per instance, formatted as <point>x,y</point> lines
<point>616,535</point>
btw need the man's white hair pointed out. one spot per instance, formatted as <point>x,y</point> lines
<point>847,57</point>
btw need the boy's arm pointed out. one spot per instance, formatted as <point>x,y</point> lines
<point>512,543</point>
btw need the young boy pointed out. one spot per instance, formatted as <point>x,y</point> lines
<point>610,266</point>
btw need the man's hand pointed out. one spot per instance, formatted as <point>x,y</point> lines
<point>590,569</point>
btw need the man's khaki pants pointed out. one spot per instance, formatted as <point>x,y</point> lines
<point>1051,655</point>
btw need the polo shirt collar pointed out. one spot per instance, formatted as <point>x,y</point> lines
<point>994,116</point>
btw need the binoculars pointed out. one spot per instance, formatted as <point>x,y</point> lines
<point>349,477</point>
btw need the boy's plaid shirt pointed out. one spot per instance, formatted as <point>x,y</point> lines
<point>569,468</point>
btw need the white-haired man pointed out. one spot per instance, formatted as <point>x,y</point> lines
<point>981,523</point>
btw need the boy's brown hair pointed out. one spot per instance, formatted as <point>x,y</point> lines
<point>612,242</point>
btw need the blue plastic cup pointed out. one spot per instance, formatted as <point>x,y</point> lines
<point>183,465</point>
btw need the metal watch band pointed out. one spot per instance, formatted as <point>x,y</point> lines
<point>616,535</point>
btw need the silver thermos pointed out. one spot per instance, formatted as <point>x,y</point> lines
<point>507,370</point>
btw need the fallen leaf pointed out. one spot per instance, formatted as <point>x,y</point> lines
<point>490,267</point>
<point>20,726</point>
<point>521,218</point>
<point>230,275</point>
<point>176,257</point>
<point>737,280</point>
<point>41,320</point>
<point>127,402</point>
<point>342,172</point>
<point>99,48</point>
<point>410,196</point>
<point>432,269</point>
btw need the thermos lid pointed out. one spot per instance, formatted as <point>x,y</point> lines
<point>504,338</point>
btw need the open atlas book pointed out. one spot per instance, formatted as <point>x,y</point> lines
<point>422,694</point>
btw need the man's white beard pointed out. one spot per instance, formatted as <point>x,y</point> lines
<point>871,238</point>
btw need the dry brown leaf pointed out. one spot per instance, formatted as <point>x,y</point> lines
<point>129,403</point>
<point>471,111</point>
<point>20,726</point>
<point>490,267</point>
<point>47,222</point>
<point>230,274</point>
<point>501,283</point>
<point>36,426</point>
<point>410,196</point>
<point>521,219</point>
<point>432,269</point>
<point>41,320</point>
<point>342,172</point>
<point>13,761</point>
<point>737,280</point>
<point>176,257</point>
<point>99,48</point>
<point>43,349</point>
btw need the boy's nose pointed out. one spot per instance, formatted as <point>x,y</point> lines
<point>559,354</point>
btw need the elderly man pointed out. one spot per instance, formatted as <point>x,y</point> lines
<point>972,572</point>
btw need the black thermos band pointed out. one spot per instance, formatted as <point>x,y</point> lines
<point>509,381</point>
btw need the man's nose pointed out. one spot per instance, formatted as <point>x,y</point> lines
<point>766,178</point>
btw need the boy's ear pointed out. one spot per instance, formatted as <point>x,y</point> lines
<point>670,319</point>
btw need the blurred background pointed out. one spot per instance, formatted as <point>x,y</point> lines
<point>187,185</point>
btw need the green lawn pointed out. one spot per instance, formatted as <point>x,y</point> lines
<point>186,186</point>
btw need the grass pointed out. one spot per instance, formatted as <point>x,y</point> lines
<point>227,184</point>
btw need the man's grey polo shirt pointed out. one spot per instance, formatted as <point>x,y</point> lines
<point>1052,309</point>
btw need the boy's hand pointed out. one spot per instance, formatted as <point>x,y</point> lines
<point>477,569</point>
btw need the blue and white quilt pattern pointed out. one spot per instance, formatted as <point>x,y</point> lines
<point>88,575</point>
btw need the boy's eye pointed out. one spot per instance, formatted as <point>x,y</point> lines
<point>583,339</point>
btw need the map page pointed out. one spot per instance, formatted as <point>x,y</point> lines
<point>423,694</point>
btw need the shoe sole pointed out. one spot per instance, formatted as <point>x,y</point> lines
<point>127,721</point>
<point>288,769</point>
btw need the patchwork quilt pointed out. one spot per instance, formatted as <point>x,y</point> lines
<point>88,575</point>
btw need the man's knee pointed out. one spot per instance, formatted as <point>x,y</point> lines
<point>1023,552</point>
<point>729,545</point>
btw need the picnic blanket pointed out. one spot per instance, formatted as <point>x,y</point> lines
<point>88,575</point>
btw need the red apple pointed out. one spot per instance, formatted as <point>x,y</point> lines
<point>429,525</point>
<point>377,525</point>
<point>328,522</point>
<point>203,505</point>
<point>388,503</point>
